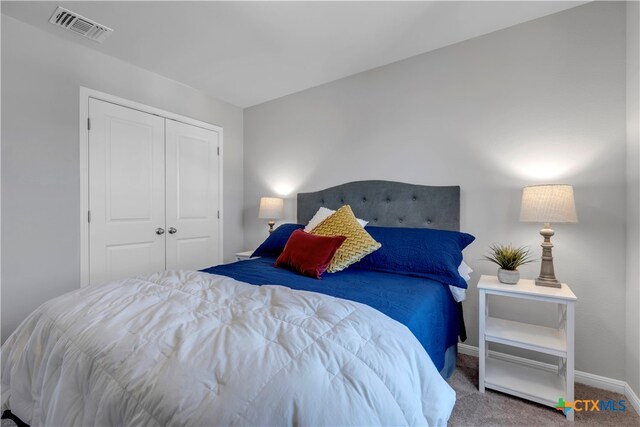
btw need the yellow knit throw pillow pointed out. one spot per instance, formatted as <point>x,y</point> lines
<point>358,244</point>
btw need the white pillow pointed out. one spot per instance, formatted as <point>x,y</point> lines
<point>321,215</point>
<point>460,294</point>
<point>464,270</point>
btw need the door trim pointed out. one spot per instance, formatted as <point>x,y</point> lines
<point>85,95</point>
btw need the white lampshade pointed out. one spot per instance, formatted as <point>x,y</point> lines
<point>271,208</point>
<point>548,203</point>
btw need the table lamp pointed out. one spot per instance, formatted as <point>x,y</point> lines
<point>271,208</point>
<point>547,204</point>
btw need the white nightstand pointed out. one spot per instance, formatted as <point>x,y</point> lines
<point>243,255</point>
<point>527,382</point>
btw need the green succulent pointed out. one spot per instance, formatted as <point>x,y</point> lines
<point>508,257</point>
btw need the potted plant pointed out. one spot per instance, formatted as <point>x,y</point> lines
<point>508,259</point>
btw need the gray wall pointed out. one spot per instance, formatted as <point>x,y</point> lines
<point>41,76</point>
<point>540,102</point>
<point>633,197</point>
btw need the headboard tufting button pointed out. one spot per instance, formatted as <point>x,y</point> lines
<point>364,199</point>
<point>428,221</point>
<point>375,219</point>
<point>342,201</point>
<point>322,201</point>
<point>414,198</point>
<point>400,220</point>
<point>388,200</point>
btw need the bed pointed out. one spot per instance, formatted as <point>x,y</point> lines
<point>424,306</point>
<point>202,348</point>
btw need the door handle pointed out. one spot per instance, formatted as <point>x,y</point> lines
<point>172,230</point>
<point>159,231</point>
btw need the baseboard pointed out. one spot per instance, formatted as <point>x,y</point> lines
<point>592,380</point>
<point>633,397</point>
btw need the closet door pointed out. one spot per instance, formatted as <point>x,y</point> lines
<point>192,191</point>
<point>126,192</point>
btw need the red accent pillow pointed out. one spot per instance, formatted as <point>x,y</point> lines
<point>309,254</point>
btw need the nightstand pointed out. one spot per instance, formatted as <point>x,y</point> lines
<point>243,255</point>
<point>528,382</point>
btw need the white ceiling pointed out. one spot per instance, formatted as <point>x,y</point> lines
<point>247,53</point>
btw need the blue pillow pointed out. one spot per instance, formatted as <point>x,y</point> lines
<point>274,245</point>
<point>421,252</point>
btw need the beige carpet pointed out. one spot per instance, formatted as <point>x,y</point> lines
<point>497,409</point>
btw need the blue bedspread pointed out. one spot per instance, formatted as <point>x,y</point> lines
<point>426,307</point>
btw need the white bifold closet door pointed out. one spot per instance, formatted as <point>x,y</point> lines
<point>192,196</point>
<point>153,194</point>
<point>126,192</point>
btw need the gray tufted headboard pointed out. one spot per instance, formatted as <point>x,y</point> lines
<point>389,204</point>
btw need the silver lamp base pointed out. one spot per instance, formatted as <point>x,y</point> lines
<point>548,283</point>
<point>547,274</point>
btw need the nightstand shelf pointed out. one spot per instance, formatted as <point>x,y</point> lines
<point>528,382</point>
<point>524,335</point>
<point>523,381</point>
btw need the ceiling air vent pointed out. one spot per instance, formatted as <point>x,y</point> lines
<point>80,25</point>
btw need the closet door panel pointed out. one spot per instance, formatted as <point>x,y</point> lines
<point>192,191</point>
<point>126,192</point>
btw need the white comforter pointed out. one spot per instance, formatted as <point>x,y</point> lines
<point>190,348</point>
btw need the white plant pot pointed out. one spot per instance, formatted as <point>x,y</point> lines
<point>509,277</point>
